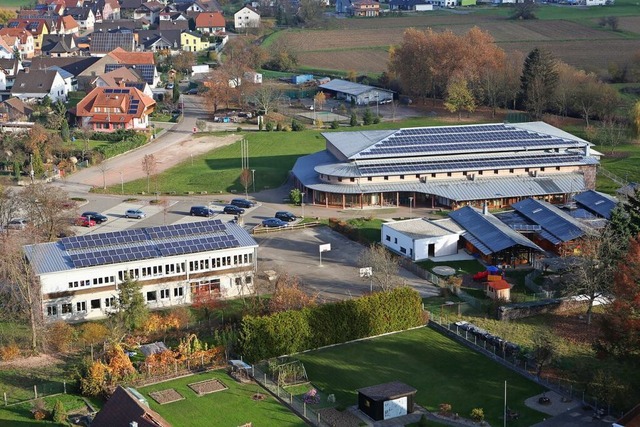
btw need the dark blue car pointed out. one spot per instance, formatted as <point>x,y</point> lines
<point>274,222</point>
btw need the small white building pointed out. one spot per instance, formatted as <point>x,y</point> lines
<point>247,17</point>
<point>253,77</point>
<point>420,238</point>
<point>175,264</point>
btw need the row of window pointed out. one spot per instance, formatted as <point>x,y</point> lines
<point>434,175</point>
<point>96,281</point>
<point>98,304</point>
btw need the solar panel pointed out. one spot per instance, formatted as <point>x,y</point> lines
<point>186,229</point>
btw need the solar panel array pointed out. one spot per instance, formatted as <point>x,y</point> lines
<point>133,106</point>
<point>146,71</point>
<point>463,139</point>
<point>470,165</point>
<point>145,243</point>
<point>114,90</point>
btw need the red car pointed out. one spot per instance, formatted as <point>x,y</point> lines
<point>83,221</point>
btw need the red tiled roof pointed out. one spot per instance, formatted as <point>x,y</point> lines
<point>69,22</point>
<point>132,58</point>
<point>120,102</point>
<point>209,20</point>
<point>499,285</point>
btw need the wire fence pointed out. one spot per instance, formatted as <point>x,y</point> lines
<point>569,391</point>
<point>24,393</point>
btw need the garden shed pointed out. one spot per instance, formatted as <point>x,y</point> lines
<point>386,401</point>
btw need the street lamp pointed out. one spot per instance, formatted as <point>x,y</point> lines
<point>253,179</point>
<point>121,183</point>
<point>377,103</point>
<point>303,194</point>
<point>410,207</point>
<point>31,172</point>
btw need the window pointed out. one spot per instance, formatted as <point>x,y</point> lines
<point>369,178</point>
<point>510,170</point>
<point>386,178</point>
<point>395,240</point>
<point>403,250</point>
<point>401,176</point>
<point>248,280</point>
<point>557,168</point>
<point>352,179</point>
<point>464,173</point>
<point>67,308</point>
<point>81,307</point>
<point>52,310</point>
<point>433,175</point>
<point>418,175</point>
<point>448,173</point>
<point>526,169</point>
<point>238,281</point>
<point>95,304</point>
<point>479,172</point>
<point>339,179</point>
<point>164,293</point>
<point>178,292</point>
<point>388,238</point>
<point>109,302</point>
<point>495,171</point>
<point>541,169</point>
<point>152,296</point>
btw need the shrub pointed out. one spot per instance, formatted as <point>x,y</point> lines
<point>39,410</point>
<point>239,129</point>
<point>335,124</point>
<point>10,351</point>
<point>93,333</point>
<point>296,126</point>
<point>60,336</point>
<point>269,126</point>
<point>59,414</point>
<point>445,409</point>
<point>477,415</point>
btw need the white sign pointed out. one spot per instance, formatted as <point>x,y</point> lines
<point>395,408</point>
<point>325,248</point>
<point>366,272</point>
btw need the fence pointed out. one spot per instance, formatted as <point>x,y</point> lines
<point>521,365</point>
<point>419,271</point>
<point>529,282</point>
<point>18,395</point>
<point>297,405</point>
<point>265,230</point>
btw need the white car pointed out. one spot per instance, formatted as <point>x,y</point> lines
<point>18,224</point>
<point>134,213</point>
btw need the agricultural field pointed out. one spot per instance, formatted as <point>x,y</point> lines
<point>362,44</point>
<point>442,370</point>
<point>15,4</point>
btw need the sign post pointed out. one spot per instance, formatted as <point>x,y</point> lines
<point>368,272</point>
<point>324,248</point>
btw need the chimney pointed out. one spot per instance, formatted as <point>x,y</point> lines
<point>133,424</point>
<point>485,208</point>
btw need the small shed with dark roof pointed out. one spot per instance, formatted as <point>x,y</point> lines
<point>385,401</point>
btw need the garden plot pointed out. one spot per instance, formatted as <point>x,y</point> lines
<point>166,396</point>
<point>207,386</point>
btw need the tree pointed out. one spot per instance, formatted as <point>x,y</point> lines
<point>283,56</point>
<point>459,97</point>
<point>620,326</point>
<point>367,116</point>
<point>48,210</point>
<point>319,99</point>
<point>288,295</point>
<point>352,75</point>
<point>6,15</point>
<point>217,90</point>
<point>625,219</point>
<point>310,12</point>
<point>183,61</point>
<point>539,80</point>
<point>384,264</point>
<point>20,296</point>
<point>59,336</point>
<point>149,167</point>
<point>245,180</point>
<point>64,131</point>
<point>353,121</point>
<point>586,97</point>
<point>591,274</point>
<point>635,118</point>
<point>295,195</point>
<point>266,97</point>
<point>131,310</point>
<point>59,414</point>
<point>611,133</point>
<point>525,10</point>
<point>207,303</point>
<point>8,205</point>
<point>543,351</point>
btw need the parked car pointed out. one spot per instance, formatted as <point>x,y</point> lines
<point>242,203</point>
<point>201,211</point>
<point>17,224</point>
<point>98,218</point>
<point>285,216</point>
<point>170,86</point>
<point>233,210</point>
<point>84,221</point>
<point>274,222</point>
<point>134,213</point>
<point>193,91</point>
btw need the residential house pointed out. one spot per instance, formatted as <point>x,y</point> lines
<point>149,11</point>
<point>15,110</point>
<point>59,45</point>
<point>7,47</point>
<point>118,25</point>
<point>70,81</point>
<point>34,85</point>
<point>126,409</point>
<point>178,24</point>
<point>143,62</point>
<point>10,68</point>
<point>26,44</point>
<point>247,17</point>
<point>3,83</point>
<point>37,27</point>
<point>123,77</point>
<point>364,8</point>
<point>210,22</point>
<point>104,9</point>
<point>83,16</point>
<point>102,42</point>
<point>127,8</point>
<point>155,40</point>
<point>417,5</point>
<point>108,109</point>
<point>190,7</point>
<point>70,25</point>
<point>79,276</point>
<point>192,41</point>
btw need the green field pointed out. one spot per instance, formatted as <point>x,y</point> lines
<point>442,371</point>
<point>15,4</point>
<point>230,407</point>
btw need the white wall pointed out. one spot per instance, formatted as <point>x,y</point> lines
<point>443,245</point>
<point>397,241</point>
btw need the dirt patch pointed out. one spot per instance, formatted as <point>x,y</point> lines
<point>207,386</point>
<point>39,361</point>
<point>333,417</point>
<point>166,396</point>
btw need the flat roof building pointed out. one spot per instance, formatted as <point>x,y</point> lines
<point>79,276</point>
<point>447,166</point>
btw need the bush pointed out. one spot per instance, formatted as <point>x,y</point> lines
<point>59,414</point>
<point>93,333</point>
<point>296,126</point>
<point>335,124</point>
<point>239,129</point>
<point>477,415</point>
<point>269,126</point>
<point>10,351</point>
<point>60,336</point>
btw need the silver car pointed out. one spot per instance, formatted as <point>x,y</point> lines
<point>18,224</point>
<point>134,213</point>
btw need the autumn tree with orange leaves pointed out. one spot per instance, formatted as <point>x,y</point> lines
<point>289,296</point>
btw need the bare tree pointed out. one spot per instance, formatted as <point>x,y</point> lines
<point>20,296</point>
<point>265,97</point>
<point>103,167</point>
<point>543,351</point>
<point>8,205</point>
<point>591,275</point>
<point>611,133</point>
<point>245,180</point>
<point>384,264</point>
<point>149,167</point>
<point>48,209</point>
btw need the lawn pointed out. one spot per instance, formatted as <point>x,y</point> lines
<point>623,163</point>
<point>462,267</point>
<point>20,415</point>
<point>15,4</point>
<point>230,407</point>
<point>442,370</point>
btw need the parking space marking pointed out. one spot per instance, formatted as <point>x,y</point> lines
<point>117,221</point>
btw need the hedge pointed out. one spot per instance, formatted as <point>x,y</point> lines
<point>288,332</point>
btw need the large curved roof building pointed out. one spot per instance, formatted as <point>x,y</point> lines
<point>447,166</point>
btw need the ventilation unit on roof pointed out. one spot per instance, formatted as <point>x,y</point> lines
<point>533,173</point>
<point>423,179</point>
<point>471,176</point>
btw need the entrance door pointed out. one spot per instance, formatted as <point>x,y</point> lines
<point>431,250</point>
